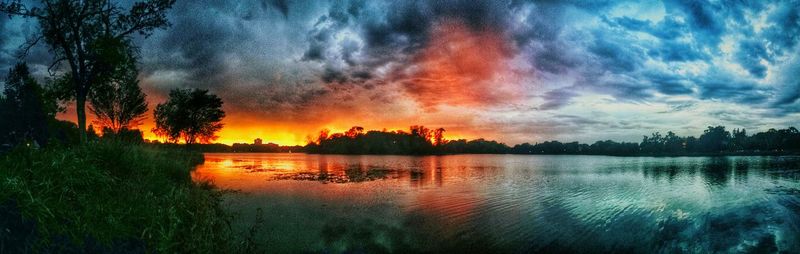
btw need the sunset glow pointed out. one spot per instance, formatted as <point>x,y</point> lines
<point>503,70</point>
<point>399,126</point>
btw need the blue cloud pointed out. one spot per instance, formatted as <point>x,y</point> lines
<point>728,89</point>
<point>616,56</point>
<point>750,54</point>
<point>557,98</point>
<point>784,26</point>
<point>668,29</point>
<point>702,18</point>
<point>669,84</point>
<point>674,51</point>
<point>301,51</point>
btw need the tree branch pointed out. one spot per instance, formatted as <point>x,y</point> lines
<point>54,64</point>
<point>29,43</point>
<point>15,8</point>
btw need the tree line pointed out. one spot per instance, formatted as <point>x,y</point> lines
<point>29,109</point>
<point>95,66</point>
<point>421,140</point>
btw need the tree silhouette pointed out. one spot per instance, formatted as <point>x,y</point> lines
<point>438,137</point>
<point>714,139</point>
<point>119,104</point>
<point>421,131</point>
<point>26,108</point>
<point>738,139</point>
<point>93,37</point>
<point>355,131</point>
<point>194,115</point>
<point>418,140</point>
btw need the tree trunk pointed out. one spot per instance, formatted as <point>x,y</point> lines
<point>80,108</point>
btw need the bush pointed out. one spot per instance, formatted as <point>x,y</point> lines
<point>110,197</point>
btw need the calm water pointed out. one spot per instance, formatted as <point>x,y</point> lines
<point>514,203</point>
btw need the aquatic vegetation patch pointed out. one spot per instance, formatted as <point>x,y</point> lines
<point>349,175</point>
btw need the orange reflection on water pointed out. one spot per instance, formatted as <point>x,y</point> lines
<point>433,186</point>
<point>416,179</point>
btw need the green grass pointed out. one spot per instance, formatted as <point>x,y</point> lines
<point>113,197</point>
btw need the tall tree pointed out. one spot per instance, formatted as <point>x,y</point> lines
<point>91,36</point>
<point>194,115</point>
<point>119,104</point>
<point>27,108</point>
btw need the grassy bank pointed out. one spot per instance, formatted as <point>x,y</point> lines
<point>110,197</point>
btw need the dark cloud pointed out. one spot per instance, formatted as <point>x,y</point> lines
<point>304,59</point>
<point>669,84</point>
<point>669,28</point>
<point>3,21</point>
<point>553,58</point>
<point>558,98</point>
<point>198,42</point>
<point>670,32</point>
<point>616,56</point>
<point>788,99</point>
<point>702,18</point>
<point>282,6</point>
<point>626,90</point>
<point>541,35</point>
<point>333,76</point>
<point>750,54</point>
<point>784,26</point>
<point>674,51</point>
<point>5,56</point>
<point>737,91</point>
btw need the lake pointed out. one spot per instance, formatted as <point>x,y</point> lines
<point>512,203</point>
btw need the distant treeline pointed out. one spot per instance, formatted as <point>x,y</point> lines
<point>421,140</point>
<point>236,148</point>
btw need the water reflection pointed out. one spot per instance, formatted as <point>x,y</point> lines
<point>509,203</point>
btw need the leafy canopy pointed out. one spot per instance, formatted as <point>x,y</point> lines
<point>189,114</point>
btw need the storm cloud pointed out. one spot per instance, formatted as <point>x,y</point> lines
<point>521,71</point>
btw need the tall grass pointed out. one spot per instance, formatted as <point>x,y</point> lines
<point>112,197</point>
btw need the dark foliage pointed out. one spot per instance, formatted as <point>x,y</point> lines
<point>26,109</point>
<point>264,148</point>
<point>420,140</point>
<point>119,104</point>
<point>355,141</point>
<point>190,114</point>
<point>110,197</point>
<point>92,37</point>
<point>123,135</point>
<point>235,148</point>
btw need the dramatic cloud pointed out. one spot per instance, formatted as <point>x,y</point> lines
<point>513,70</point>
<point>461,67</point>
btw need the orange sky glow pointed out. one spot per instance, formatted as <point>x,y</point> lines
<point>240,129</point>
<point>443,88</point>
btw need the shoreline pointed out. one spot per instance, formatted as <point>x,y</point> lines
<point>789,153</point>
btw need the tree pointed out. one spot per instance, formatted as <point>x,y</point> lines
<point>738,140</point>
<point>438,137</point>
<point>119,104</point>
<point>323,135</point>
<point>714,139</point>
<point>355,131</point>
<point>673,143</point>
<point>189,114</point>
<point>421,131</point>
<point>91,36</point>
<point>27,108</point>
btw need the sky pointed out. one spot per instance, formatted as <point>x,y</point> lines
<point>508,70</point>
